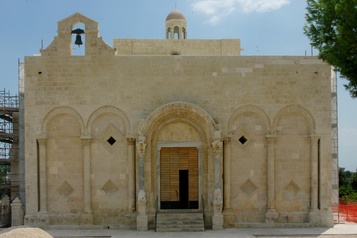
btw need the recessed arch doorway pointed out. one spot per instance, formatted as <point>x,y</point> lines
<point>178,125</point>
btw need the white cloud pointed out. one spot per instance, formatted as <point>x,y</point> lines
<point>216,9</point>
<point>262,5</point>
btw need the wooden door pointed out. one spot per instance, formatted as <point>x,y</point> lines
<point>172,161</point>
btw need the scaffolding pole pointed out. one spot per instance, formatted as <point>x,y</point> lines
<point>334,131</point>
<point>9,144</point>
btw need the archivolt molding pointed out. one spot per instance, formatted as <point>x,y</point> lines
<point>157,127</point>
<point>60,111</point>
<point>249,108</point>
<point>296,110</point>
<point>107,110</point>
<point>177,110</point>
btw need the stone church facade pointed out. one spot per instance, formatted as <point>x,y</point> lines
<point>122,133</point>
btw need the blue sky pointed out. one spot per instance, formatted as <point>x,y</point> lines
<point>265,27</point>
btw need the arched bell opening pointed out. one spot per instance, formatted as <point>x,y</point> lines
<point>78,40</point>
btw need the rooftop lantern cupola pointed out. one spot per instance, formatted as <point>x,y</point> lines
<point>176,25</point>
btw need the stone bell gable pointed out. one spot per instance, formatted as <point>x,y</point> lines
<point>62,44</point>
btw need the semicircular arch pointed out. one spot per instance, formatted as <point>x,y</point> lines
<point>249,109</point>
<point>108,110</point>
<point>295,109</point>
<point>61,111</point>
<point>177,110</point>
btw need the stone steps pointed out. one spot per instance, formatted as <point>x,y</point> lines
<point>179,222</point>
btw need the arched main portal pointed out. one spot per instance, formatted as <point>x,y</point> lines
<point>179,164</point>
<point>178,137</point>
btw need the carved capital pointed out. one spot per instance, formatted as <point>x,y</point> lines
<point>227,140</point>
<point>271,139</point>
<point>86,141</point>
<point>314,137</point>
<point>131,140</point>
<point>42,141</point>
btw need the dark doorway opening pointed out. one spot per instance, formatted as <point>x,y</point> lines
<point>183,178</point>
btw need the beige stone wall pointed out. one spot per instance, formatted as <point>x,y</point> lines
<point>76,105</point>
<point>177,47</point>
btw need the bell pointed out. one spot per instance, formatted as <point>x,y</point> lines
<point>78,40</point>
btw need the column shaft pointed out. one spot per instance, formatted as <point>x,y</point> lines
<point>227,174</point>
<point>140,149</point>
<point>271,171</point>
<point>314,171</point>
<point>86,142</point>
<point>43,174</point>
<point>131,174</point>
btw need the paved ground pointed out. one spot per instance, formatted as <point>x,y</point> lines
<point>339,231</point>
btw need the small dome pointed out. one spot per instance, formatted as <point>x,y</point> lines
<point>176,15</point>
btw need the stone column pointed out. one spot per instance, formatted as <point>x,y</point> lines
<point>172,34</point>
<point>227,174</point>
<point>131,173</point>
<point>86,143</point>
<point>142,218</point>
<point>271,215</point>
<point>43,174</point>
<point>87,217</point>
<point>217,219</point>
<point>314,214</point>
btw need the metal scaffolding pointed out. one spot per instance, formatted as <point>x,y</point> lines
<point>9,144</point>
<point>334,131</point>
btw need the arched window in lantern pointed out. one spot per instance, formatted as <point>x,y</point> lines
<point>78,40</point>
<point>168,33</point>
<point>177,33</point>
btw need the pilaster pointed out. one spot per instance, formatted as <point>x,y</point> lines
<point>271,216</point>
<point>314,211</point>
<point>131,173</point>
<point>42,142</point>
<point>87,217</point>
<point>227,173</point>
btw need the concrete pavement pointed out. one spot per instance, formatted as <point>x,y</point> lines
<point>347,230</point>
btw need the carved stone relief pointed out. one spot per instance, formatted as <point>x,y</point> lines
<point>65,189</point>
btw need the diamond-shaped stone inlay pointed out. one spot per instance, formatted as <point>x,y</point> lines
<point>292,189</point>
<point>111,140</point>
<point>243,136</point>
<point>248,187</point>
<point>109,187</point>
<point>65,189</point>
<point>243,140</point>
